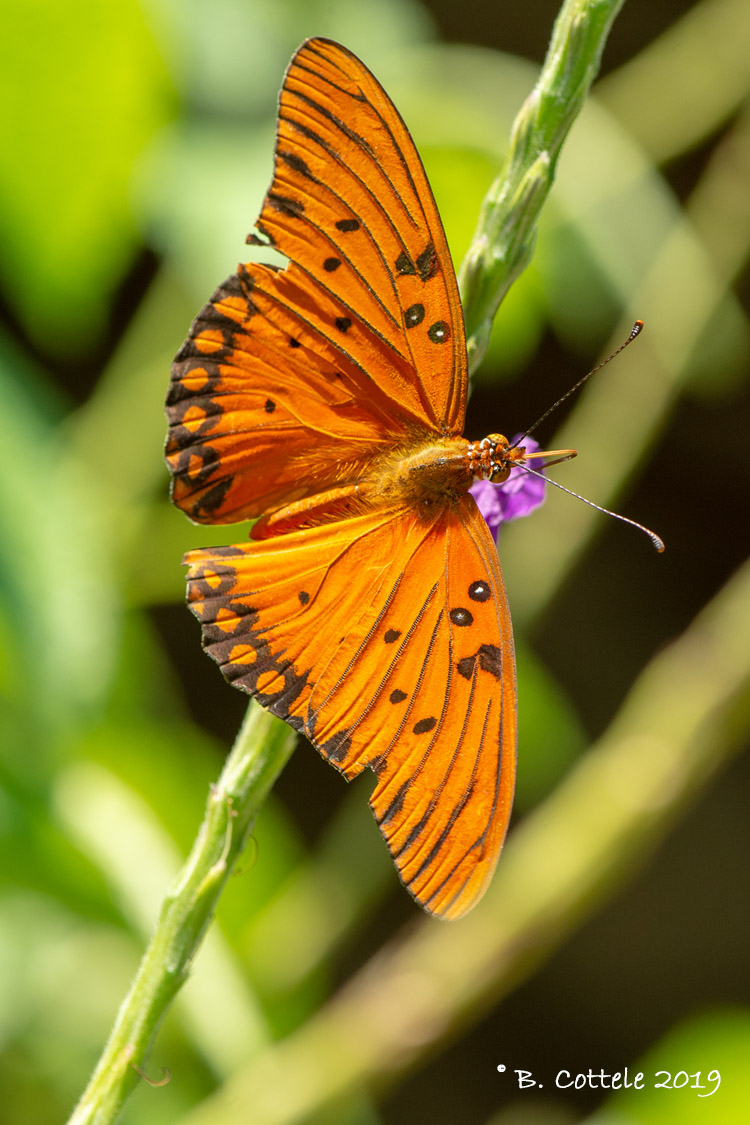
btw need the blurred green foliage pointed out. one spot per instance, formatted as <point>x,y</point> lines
<point>137,146</point>
<point>83,89</point>
<point>688,1050</point>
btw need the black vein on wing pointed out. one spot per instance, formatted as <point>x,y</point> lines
<point>365,146</point>
<point>457,333</point>
<point>382,683</point>
<point>424,820</point>
<point>337,244</point>
<point>313,135</point>
<point>337,298</point>
<point>317,709</point>
<point>480,840</point>
<point>461,804</point>
<point>458,808</point>
<point>373,106</point>
<point>397,801</point>
<point>314,330</point>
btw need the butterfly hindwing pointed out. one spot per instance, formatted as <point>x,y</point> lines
<point>408,671</point>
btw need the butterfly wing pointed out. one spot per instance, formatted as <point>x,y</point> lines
<point>351,206</point>
<point>409,671</point>
<point>292,380</point>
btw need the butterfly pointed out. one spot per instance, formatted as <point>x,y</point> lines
<point>326,401</point>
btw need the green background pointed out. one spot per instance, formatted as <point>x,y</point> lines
<point>137,144</point>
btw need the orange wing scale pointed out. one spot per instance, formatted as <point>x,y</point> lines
<point>409,670</point>
<point>368,616</point>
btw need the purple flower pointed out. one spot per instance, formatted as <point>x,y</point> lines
<point>517,496</point>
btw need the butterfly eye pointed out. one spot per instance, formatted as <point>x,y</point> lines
<point>500,472</point>
<point>498,461</point>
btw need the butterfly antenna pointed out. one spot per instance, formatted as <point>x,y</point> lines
<point>636,330</point>
<point>657,541</point>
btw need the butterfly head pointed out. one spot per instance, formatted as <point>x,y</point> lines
<point>492,458</point>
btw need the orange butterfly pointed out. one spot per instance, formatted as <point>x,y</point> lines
<point>328,399</point>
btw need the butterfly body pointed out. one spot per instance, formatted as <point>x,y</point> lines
<point>326,401</point>
<point>434,472</point>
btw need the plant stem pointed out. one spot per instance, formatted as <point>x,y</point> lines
<point>260,752</point>
<point>506,232</point>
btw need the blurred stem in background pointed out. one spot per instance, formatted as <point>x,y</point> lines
<point>499,255</point>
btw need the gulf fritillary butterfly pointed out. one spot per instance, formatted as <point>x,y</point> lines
<point>328,399</point>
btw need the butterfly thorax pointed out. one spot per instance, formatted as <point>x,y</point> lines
<point>422,477</point>
<point>439,472</point>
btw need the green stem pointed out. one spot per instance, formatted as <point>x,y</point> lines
<point>260,752</point>
<point>504,239</point>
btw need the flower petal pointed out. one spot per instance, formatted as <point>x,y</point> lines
<point>517,496</point>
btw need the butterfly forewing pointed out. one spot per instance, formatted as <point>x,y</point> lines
<point>409,671</point>
<point>356,347</point>
<point>263,408</point>
<point>350,205</point>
